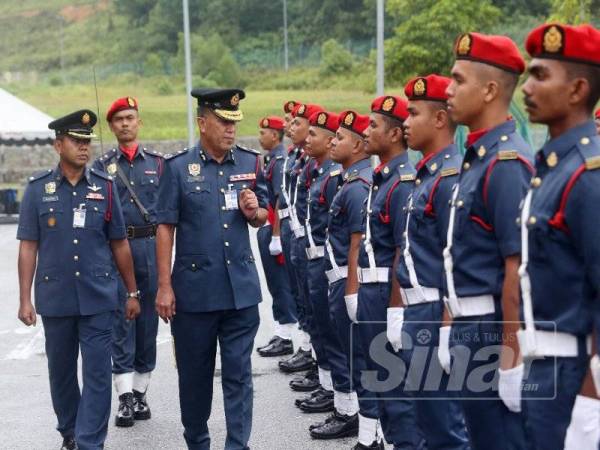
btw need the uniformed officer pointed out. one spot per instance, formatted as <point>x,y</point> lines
<point>71,222</point>
<point>210,193</point>
<point>344,232</point>
<point>482,251</point>
<point>269,243</point>
<point>597,119</point>
<point>560,271</point>
<point>136,171</point>
<point>420,269</point>
<point>392,182</point>
<point>324,179</point>
<point>288,108</point>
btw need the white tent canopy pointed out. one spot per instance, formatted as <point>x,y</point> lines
<point>21,123</point>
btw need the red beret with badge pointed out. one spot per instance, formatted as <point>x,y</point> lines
<point>272,122</point>
<point>351,120</point>
<point>572,43</point>
<point>326,120</point>
<point>306,110</point>
<point>598,113</point>
<point>121,104</point>
<point>431,88</point>
<point>497,51</point>
<point>288,106</point>
<point>392,106</point>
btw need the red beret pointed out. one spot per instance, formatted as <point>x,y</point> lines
<point>497,51</point>
<point>288,106</point>
<point>578,44</point>
<point>120,105</point>
<point>306,110</point>
<point>354,122</point>
<point>432,88</point>
<point>325,119</point>
<point>392,106</point>
<point>598,113</point>
<point>273,122</point>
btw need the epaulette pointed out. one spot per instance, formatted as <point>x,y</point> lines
<point>506,155</point>
<point>353,177</point>
<point>249,150</point>
<point>152,152</point>
<point>101,174</point>
<point>589,149</point>
<point>39,175</point>
<point>407,177</point>
<point>406,172</point>
<point>450,171</point>
<point>175,155</point>
<point>109,154</point>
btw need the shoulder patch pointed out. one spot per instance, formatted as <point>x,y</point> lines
<point>407,177</point>
<point>450,171</point>
<point>589,149</point>
<point>101,174</point>
<point>39,175</point>
<point>249,150</point>
<point>175,155</point>
<point>505,155</point>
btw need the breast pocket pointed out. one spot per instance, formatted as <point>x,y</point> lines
<point>463,213</point>
<point>52,217</point>
<point>197,195</point>
<point>95,214</point>
<point>149,188</point>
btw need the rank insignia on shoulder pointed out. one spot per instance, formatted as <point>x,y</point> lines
<point>407,177</point>
<point>505,155</point>
<point>592,163</point>
<point>111,169</point>
<point>242,177</point>
<point>449,172</point>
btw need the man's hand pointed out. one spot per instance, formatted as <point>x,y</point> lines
<point>165,303</point>
<point>395,320</point>
<point>509,387</point>
<point>27,313</point>
<point>275,246</point>
<point>132,308</point>
<point>248,204</point>
<point>352,306</point>
<point>444,349</point>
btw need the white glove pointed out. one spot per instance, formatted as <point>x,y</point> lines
<point>444,349</point>
<point>509,387</point>
<point>595,368</point>
<point>352,306</point>
<point>275,246</point>
<point>395,319</point>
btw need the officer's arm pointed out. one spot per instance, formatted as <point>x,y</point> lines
<point>276,222</point>
<point>164,250</point>
<point>124,261</point>
<point>396,298</point>
<point>352,280</point>
<point>27,264</point>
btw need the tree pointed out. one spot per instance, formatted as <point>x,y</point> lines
<point>423,41</point>
<point>571,11</point>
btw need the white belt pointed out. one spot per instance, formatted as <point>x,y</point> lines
<point>470,306</point>
<point>283,213</point>
<point>547,343</point>
<point>315,252</point>
<point>416,296</point>
<point>373,275</point>
<point>334,274</point>
<point>299,232</point>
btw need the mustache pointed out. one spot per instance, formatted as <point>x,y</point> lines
<point>529,103</point>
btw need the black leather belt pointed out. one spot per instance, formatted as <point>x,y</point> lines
<point>141,231</point>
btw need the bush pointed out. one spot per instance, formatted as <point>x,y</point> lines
<point>164,87</point>
<point>335,59</point>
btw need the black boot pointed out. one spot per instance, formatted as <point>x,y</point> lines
<point>300,362</point>
<point>307,383</point>
<point>258,349</point>
<point>69,443</point>
<point>376,445</point>
<point>322,401</point>
<point>336,426</point>
<point>279,347</point>
<point>125,414</point>
<point>141,410</point>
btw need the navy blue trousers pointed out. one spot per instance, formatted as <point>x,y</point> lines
<point>548,407</point>
<point>287,238</point>
<point>195,336</point>
<point>439,416</point>
<point>134,342</point>
<point>384,374</point>
<point>351,347</point>
<point>475,344</point>
<point>84,414</point>
<point>278,282</point>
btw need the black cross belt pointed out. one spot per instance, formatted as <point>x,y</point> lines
<point>141,231</point>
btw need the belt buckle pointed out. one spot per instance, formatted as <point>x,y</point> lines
<point>130,232</point>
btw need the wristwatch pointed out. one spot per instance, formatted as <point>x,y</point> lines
<point>134,294</point>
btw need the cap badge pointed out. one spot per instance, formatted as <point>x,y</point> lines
<point>349,120</point>
<point>131,102</point>
<point>50,188</point>
<point>464,45</point>
<point>85,119</point>
<point>553,40</point>
<point>265,123</point>
<point>419,88</point>
<point>388,104</point>
<point>301,110</point>
<point>552,160</point>
<point>235,100</point>
<point>322,119</point>
<point>194,169</point>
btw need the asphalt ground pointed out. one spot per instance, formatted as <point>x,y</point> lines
<point>27,420</point>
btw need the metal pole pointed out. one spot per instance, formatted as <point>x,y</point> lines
<point>285,36</point>
<point>380,61</point>
<point>188,72</point>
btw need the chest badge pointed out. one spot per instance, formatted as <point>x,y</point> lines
<point>94,188</point>
<point>194,169</point>
<point>111,168</point>
<point>51,221</point>
<point>50,188</point>
<point>552,160</point>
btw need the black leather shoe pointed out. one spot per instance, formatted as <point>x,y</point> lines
<point>337,426</point>
<point>322,402</point>
<point>141,410</point>
<point>258,349</point>
<point>307,383</point>
<point>300,362</point>
<point>125,414</point>
<point>374,446</point>
<point>301,400</point>
<point>320,424</point>
<point>69,443</point>
<point>279,347</point>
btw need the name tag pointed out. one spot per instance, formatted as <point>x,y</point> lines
<point>150,172</point>
<point>242,177</point>
<point>79,217</point>
<point>195,179</point>
<point>231,199</point>
<point>50,198</point>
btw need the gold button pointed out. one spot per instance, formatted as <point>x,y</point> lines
<point>532,220</point>
<point>76,258</point>
<point>418,181</point>
<point>225,225</point>
<point>466,166</point>
<point>504,138</point>
<point>460,203</point>
<point>375,188</point>
<point>76,274</point>
<point>536,182</point>
<point>75,241</point>
<point>226,244</point>
<point>585,141</point>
